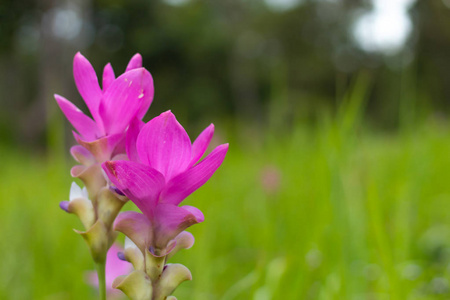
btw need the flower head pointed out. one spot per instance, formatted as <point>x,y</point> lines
<point>165,170</point>
<point>113,106</point>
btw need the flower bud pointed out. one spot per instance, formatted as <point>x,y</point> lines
<point>108,206</point>
<point>82,155</point>
<point>83,208</point>
<point>172,276</point>
<point>184,240</point>
<point>80,205</point>
<point>92,178</point>
<point>136,285</point>
<point>134,255</point>
<point>99,239</point>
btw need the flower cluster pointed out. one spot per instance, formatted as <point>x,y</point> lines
<point>153,164</point>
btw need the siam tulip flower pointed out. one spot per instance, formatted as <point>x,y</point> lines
<point>164,171</point>
<point>160,169</point>
<point>114,267</point>
<point>112,107</point>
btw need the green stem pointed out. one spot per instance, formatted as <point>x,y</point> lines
<point>101,280</point>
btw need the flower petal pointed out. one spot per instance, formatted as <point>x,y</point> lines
<point>136,227</point>
<point>64,205</point>
<point>129,243</point>
<point>82,123</point>
<point>133,254</point>
<point>170,220</point>
<point>109,205</point>
<point>103,148</point>
<point>201,144</point>
<point>108,76</point>
<point>87,84</point>
<point>140,183</point>
<point>99,240</point>
<point>92,178</point>
<point>124,98</point>
<point>136,285</point>
<point>135,62</point>
<point>84,209</point>
<point>184,240</point>
<point>114,265</point>
<point>75,191</point>
<point>164,144</point>
<point>120,149</point>
<point>132,134</point>
<point>82,155</point>
<point>172,276</point>
<point>187,182</point>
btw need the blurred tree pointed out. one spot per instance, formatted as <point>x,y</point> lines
<point>251,60</point>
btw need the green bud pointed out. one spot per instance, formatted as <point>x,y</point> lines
<point>134,255</point>
<point>137,285</point>
<point>108,206</point>
<point>184,240</point>
<point>92,178</point>
<point>99,239</point>
<point>172,276</point>
<point>84,209</point>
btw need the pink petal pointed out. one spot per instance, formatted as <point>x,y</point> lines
<point>120,148</point>
<point>135,62</point>
<point>108,77</point>
<point>124,98</point>
<point>82,155</point>
<point>82,123</point>
<point>114,265</point>
<point>87,84</point>
<point>132,134</point>
<point>136,227</point>
<point>140,183</point>
<point>102,148</point>
<point>184,240</point>
<point>147,101</point>
<point>187,182</point>
<point>201,144</point>
<point>164,144</point>
<point>170,220</point>
<point>77,170</point>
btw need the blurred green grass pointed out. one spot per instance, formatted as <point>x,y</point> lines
<point>356,214</point>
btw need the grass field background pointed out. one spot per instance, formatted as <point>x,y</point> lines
<point>327,211</point>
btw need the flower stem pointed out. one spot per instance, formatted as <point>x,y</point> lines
<point>101,280</point>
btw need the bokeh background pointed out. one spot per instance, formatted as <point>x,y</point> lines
<point>337,181</point>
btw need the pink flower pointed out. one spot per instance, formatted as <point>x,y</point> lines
<point>114,267</point>
<point>112,108</point>
<point>165,170</point>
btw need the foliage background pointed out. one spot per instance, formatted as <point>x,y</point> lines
<point>336,183</point>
